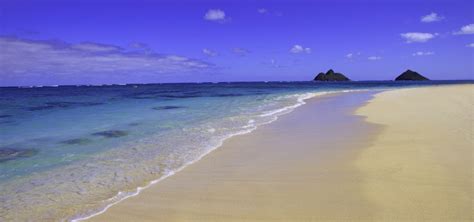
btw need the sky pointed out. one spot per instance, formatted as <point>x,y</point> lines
<point>58,42</point>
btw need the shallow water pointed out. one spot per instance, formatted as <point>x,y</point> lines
<point>69,151</point>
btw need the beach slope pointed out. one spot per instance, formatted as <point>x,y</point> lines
<point>405,156</point>
<point>298,168</point>
<point>420,167</point>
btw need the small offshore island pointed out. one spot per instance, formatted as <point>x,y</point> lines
<point>411,75</point>
<point>331,76</point>
<point>274,111</point>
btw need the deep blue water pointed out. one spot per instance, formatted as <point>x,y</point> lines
<point>66,150</point>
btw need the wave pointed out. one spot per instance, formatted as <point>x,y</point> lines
<point>248,128</point>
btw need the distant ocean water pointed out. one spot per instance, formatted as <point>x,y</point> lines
<point>68,152</point>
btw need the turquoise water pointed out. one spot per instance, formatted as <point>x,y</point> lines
<point>70,151</point>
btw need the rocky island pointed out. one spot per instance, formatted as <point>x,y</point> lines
<point>330,75</point>
<point>410,75</point>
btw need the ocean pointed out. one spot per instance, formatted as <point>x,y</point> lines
<point>69,152</point>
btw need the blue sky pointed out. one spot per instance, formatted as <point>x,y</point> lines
<point>94,42</point>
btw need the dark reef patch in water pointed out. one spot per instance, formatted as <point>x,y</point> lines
<point>78,141</point>
<point>153,94</point>
<point>54,105</point>
<point>144,97</point>
<point>111,133</point>
<point>179,96</point>
<point>5,116</point>
<point>7,153</point>
<point>191,92</point>
<point>228,94</point>
<point>89,103</point>
<point>167,107</point>
<point>37,108</point>
<point>6,122</point>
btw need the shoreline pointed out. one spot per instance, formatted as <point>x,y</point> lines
<point>275,114</point>
<point>131,208</point>
<point>225,146</point>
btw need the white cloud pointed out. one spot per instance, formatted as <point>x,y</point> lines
<point>352,55</point>
<point>94,47</point>
<point>209,52</point>
<point>432,17</point>
<point>417,36</point>
<point>262,10</point>
<point>420,53</point>
<point>466,30</point>
<point>240,51</point>
<point>215,15</point>
<point>300,49</point>
<point>471,45</point>
<point>30,59</point>
<point>374,58</point>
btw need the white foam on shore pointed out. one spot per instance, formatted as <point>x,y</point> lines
<point>251,126</point>
<point>300,101</point>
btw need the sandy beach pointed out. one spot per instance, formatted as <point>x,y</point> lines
<point>202,111</point>
<point>421,165</point>
<point>406,155</point>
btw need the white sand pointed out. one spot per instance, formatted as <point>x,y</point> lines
<point>411,161</point>
<point>296,168</point>
<point>421,166</point>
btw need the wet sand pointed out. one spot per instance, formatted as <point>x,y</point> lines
<point>296,168</point>
<point>409,160</point>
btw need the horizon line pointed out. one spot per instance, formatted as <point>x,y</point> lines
<point>221,82</point>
